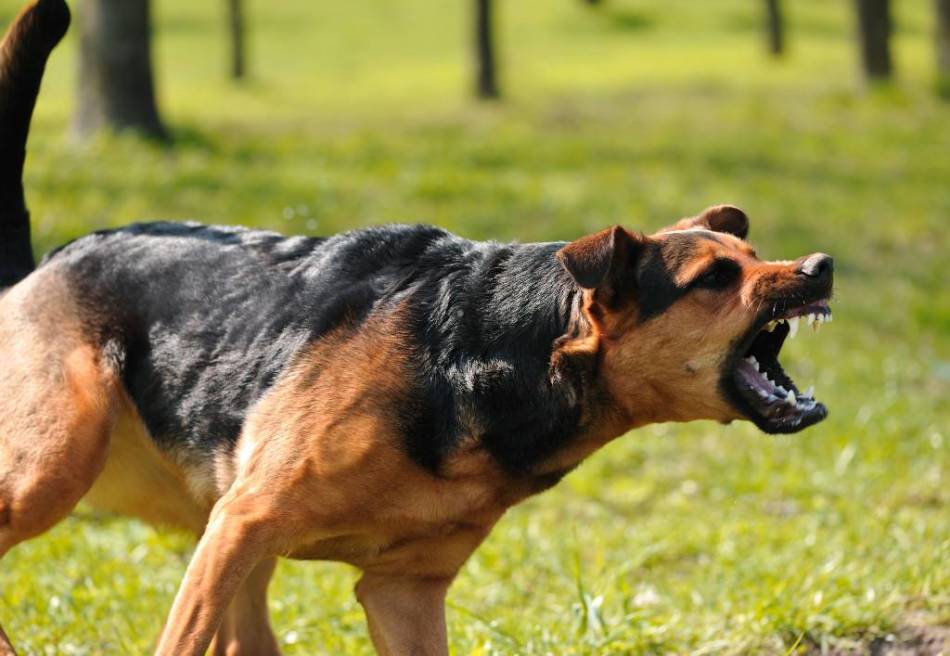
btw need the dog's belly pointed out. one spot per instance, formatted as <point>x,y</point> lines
<point>434,550</point>
<point>140,481</point>
<point>353,549</point>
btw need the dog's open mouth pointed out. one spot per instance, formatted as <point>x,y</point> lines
<point>761,388</point>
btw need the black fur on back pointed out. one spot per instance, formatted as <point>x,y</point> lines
<point>208,317</point>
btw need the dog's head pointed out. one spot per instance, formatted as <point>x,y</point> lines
<point>689,321</point>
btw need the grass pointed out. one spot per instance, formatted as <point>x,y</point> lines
<point>696,539</point>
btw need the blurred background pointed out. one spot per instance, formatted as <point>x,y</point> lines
<point>828,122</point>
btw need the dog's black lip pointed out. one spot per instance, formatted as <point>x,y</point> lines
<point>773,426</point>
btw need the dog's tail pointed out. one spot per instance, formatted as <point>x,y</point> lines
<point>23,55</point>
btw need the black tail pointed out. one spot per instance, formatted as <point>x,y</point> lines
<point>23,56</point>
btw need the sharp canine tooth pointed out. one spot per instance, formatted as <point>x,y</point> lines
<point>771,325</point>
<point>790,397</point>
<point>792,326</point>
<point>810,392</point>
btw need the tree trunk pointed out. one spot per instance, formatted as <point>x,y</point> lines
<point>116,90</point>
<point>486,81</point>
<point>236,34</point>
<point>874,32</point>
<point>943,46</point>
<point>775,26</point>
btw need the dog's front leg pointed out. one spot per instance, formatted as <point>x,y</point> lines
<point>236,540</point>
<point>245,629</point>
<point>406,614</point>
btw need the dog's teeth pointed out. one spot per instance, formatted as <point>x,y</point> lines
<point>810,392</point>
<point>771,325</point>
<point>780,391</point>
<point>755,363</point>
<point>829,317</point>
<point>790,397</point>
<point>792,326</point>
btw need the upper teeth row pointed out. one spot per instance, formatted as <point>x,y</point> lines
<point>813,318</point>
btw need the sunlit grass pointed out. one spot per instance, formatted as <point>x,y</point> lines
<point>682,539</point>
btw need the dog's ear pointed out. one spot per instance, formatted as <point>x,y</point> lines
<point>602,261</point>
<point>719,218</point>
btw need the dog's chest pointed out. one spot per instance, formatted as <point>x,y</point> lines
<point>425,524</point>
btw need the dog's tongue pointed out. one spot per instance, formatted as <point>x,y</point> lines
<point>756,380</point>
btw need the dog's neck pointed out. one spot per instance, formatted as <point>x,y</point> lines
<point>528,364</point>
<point>549,306</point>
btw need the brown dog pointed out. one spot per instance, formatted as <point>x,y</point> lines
<point>379,397</point>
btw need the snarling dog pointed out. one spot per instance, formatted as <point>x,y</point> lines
<point>378,397</point>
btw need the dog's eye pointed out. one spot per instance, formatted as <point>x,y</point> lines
<point>721,274</point>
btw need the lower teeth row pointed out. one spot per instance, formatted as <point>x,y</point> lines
<point>787,395</point>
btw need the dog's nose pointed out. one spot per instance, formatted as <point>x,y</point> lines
<point>817,265</point>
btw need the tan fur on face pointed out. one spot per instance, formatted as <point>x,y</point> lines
<point>668,368</point>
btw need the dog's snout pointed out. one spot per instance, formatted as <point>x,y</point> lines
<point>817,265</point>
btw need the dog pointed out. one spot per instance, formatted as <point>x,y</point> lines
<point>379,397</point>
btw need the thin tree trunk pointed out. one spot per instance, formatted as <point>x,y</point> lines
<point>775,26</point>
<point>943,46</point>
<point>116,90</point>
<point>874,32</point>
<point>236,33</point>
<point>486,81</point>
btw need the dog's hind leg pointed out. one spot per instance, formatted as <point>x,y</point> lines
<point>57,394</point>
<point>245,629</point>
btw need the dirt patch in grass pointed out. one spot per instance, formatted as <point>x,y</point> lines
<point>907,641</point>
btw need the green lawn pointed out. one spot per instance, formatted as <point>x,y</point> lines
<point>699,538</point>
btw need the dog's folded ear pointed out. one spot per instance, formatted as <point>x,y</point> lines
<point>719,218</point>
<point>601,261</point>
